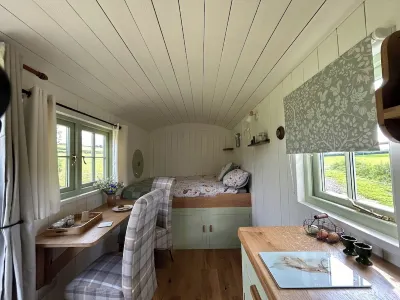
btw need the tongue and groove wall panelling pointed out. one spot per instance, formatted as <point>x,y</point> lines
<point>217,20</point>
<point>241,18</point>
<point>296,16</point>
<point>267,19</point>
<point>328,50</point>
<point>40,53</point>
<point>190,149</point>
<point>137,81</point>
<point>137,23</point>
<point>169,17</point>
<point>192,14</point>
<point>327,15</point>
<point>40,31</point>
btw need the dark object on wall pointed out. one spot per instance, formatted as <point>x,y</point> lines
<point>388,95</point>
<point>5,92</point>
<point>227,149</point>
<point>237,140</point>
<point>137,163</point>
<point>280,132</point>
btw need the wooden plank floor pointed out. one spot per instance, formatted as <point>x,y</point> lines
<point>199,274</point>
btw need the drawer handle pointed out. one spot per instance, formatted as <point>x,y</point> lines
<point>254,292</point>
<point>204,228</point>
<point>210,228</point>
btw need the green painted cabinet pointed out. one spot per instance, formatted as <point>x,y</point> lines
<point>208,228</point>
<point>250,278</point>
<point>189,229</point>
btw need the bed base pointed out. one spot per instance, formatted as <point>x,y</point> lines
<point>221,200</point>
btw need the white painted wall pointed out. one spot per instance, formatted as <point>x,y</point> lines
<point>131,138</point>
<point>189,149</point>
<point>274,193</point>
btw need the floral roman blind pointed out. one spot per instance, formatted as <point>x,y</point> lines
<point>335,110</point>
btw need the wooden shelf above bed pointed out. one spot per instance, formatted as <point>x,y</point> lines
<point>259,143</point>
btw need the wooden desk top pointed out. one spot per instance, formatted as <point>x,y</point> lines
<point>384,277</point>
<point>90,237</point>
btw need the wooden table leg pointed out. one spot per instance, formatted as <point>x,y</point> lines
<point>47,268</point>
<point>43,262</point>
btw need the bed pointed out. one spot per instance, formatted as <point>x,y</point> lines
<point>195,192</point>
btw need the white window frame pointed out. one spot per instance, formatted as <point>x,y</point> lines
<point>338,204</point>
<point>75,165</point>
<point>318,186</point>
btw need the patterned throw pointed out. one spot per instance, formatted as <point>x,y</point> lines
<point>137,189</point>
<point>335,110</point>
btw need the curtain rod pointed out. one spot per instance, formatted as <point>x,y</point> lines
<point>28,93</point>
<point>36,72</point>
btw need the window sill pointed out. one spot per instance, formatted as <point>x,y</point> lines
<point>361,231</point>
<point>79,197</point>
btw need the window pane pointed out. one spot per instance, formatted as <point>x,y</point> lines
<point>100,145</point>
<point>335,173</point>
<point>100,168</point>
<point>373,177</point>
<point>87,170</point>
<point>63,147</point>
<point>63,175</point>
<point>87,143</point>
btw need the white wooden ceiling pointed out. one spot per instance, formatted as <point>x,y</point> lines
<point>160,62</point>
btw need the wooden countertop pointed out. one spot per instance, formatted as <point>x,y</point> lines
<point>384,277</point>
<point>90,237</point>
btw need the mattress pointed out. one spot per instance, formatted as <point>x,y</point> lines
<point>200,186</point>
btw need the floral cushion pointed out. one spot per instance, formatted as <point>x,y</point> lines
<point>225,169</point>
<point>236,178</point>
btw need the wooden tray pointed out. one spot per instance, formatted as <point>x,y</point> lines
<point>79,227</point>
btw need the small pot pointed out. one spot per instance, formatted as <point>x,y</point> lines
<point>364,252</point>
<point>111,200</point>
<point>348,241</point>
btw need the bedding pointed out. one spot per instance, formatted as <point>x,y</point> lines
<point>200,186</point>
<point>225,169</point>
<point>236,178</point>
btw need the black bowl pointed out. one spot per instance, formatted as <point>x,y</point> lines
<point>348,241</point>
<point>364,252</point>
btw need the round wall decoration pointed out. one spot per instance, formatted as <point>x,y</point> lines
<point>137,163</point>
<point>280,132</point>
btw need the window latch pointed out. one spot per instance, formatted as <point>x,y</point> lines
<point>84,161</point>
<point>73,159</point>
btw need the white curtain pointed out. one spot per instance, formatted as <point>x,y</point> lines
<point>115,152</point>
<point>41,138</point>
<point>17,243</point>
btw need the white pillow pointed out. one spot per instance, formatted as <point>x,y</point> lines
<point>236,178</point>
<point>225,169</point>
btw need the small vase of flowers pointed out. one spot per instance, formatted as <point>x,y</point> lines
<point>109,186</point>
